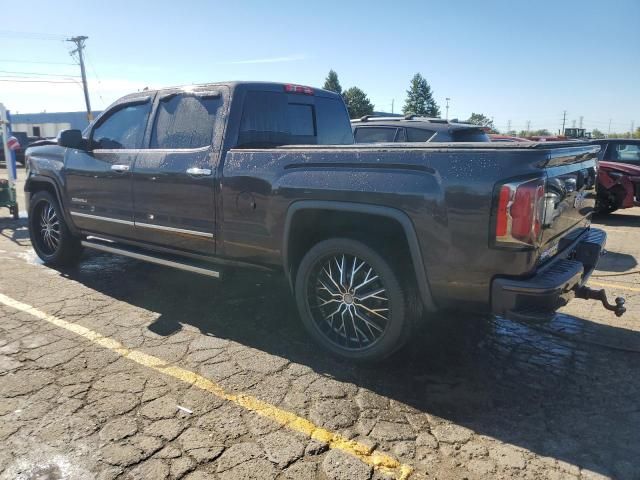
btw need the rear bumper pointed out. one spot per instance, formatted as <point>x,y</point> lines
<point>553,284</point>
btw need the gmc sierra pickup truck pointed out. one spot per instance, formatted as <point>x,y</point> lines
<point>370,237</point>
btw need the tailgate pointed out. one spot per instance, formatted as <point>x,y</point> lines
<point>570,193</point>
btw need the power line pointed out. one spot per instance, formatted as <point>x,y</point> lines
<point>32,35</point>
<point>35,81</point>
<point>37,62</point>
<point>95,72</point>
<point>40,74</point>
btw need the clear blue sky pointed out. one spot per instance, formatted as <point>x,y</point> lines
<point>510,60</point>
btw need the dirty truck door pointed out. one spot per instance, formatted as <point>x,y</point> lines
<point>99,179</point>
<point>173,180</point>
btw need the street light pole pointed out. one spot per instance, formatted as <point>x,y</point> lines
<point>447,107</point>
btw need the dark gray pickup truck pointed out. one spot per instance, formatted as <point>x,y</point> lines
<point>371,237</point>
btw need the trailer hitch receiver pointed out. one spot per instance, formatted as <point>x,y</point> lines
<point>591,294</point>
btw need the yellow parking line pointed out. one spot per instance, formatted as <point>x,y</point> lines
<point>379,461</point>
<point>614,286</point>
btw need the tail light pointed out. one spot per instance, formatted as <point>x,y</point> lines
<point>520,213</point>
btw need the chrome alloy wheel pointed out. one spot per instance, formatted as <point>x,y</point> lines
<point>349,302</point>
<point>49,228</point>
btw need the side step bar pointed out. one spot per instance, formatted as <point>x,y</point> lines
<point>145,257</point>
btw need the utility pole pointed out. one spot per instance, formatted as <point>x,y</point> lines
<point>609,131</point>
<point>392,103</point>
<point>508,126</point>
<point>528,126</point>
<point>632,124</point>
<point>564,120</point>
<point>79,42</point>
<point>447,107</point>
<point>581,119</point>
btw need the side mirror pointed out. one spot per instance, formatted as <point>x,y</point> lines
<point>71,139</point>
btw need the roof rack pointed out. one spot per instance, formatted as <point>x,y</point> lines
<point>413,116</point>
<point>376,117</point>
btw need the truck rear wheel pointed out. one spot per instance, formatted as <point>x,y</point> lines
<point>50,236</point>
<point>351,300</point>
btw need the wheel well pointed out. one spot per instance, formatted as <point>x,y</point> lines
<point>35,186</point>
<point>384,234</point>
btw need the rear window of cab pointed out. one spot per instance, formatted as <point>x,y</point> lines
<point>273,118</point>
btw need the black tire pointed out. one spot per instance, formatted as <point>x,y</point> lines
<point>351,336</point>
<point>50,236</point>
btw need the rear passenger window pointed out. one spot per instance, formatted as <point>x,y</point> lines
<point>418,135</point>
<point>122,129</point>
<point>375,134</point>
<point>185,121</point>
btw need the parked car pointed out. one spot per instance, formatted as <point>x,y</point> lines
<point>265,176</point>
<point>619,174</point>
<point>414,128</point>
<point>24,140</point>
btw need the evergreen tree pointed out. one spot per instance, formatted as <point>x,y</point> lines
<point>357,102</point>
<point>482,120</point>
<point>420,98</point>
<point>332,83</point>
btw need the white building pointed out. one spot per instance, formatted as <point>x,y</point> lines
<point>48,124</point>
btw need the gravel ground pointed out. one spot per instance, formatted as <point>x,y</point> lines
<point>471,396</point>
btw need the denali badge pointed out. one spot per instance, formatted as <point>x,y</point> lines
<point>78,200</point>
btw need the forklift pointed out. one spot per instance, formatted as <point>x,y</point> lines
<point>8,198</point>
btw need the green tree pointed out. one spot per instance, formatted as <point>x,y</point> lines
<point>332,83</point>
<point>420,98</point>
<point>597,133</point>
<point>357,102</point>
<point>543,132</point>
<point>482,120</point>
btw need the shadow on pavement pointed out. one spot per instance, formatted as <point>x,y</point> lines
<point>568,389</point>
<point>617,262</point>
<point>619,218</point>
<point>15,230</point>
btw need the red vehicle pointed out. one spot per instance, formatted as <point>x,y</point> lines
<point>496,137</point>
<point>619,174</point>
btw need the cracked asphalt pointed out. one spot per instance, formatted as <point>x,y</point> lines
<point>471,397</point>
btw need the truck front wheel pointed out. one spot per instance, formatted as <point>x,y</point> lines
<point>50,236</point>
<point>351,300</point>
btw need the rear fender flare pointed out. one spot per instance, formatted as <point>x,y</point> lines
<point>352,207</point>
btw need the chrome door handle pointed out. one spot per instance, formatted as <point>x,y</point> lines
<point>120,168</point>
<point>199,172</point>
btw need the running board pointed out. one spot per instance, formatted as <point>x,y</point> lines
<point>146,257</point>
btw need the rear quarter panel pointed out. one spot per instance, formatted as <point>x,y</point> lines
<point>447,195</point>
